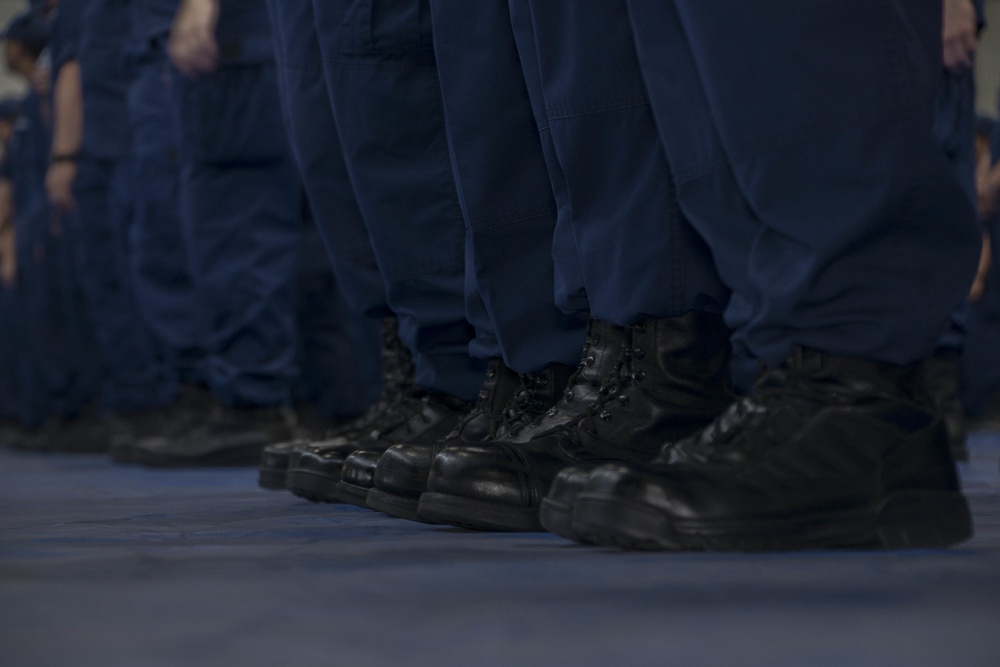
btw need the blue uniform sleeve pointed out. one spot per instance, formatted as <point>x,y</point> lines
<point>64,31</point>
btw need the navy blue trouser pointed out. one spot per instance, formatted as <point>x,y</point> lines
<point>570,291</point>
<point>808,162</point>
<point>340,370</point>
<point>504,190</point>
<point>638,254</point>
<point>240,211</point>
<point>52,365</point>
<point>49,379</point>
<point>980,366</point>
<point>317,150</point>
<point>160,264</point>
<point>136,373</point>
<point>10,347</point>
<point>381,77</point>
<point>76,332</point>
<point>955,129</point>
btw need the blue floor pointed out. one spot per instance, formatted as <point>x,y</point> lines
<point>104,564</point>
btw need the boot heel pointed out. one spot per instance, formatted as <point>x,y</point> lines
<point>923,519</point>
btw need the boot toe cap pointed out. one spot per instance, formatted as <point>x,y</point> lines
<point>403,469</point>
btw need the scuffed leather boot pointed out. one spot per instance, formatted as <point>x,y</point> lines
<point>276,470</point>
<point>432,417</point>
<point>402,484</point>
<point>505,401</point>
<point>230,437</point>
<point>829,452</point>
<point>938,384</point>
<point>673,378</point>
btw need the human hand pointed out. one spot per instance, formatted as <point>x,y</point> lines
<point>960,35</point>
<point>192,46</point>
<point>59,184</point>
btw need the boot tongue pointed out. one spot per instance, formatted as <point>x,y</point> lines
<point>498,390</point>
<point>537,393</point>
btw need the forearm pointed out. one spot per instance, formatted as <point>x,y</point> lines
<point>6,205</point>
<point>67,128</point>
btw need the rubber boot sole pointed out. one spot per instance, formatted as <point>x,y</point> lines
<point>401,507</point>
<point>910,520</point>
<point>312,486</point>
<point>478,514</point>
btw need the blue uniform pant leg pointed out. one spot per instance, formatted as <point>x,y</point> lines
<point>338,313</point>
<point>319,157</point>
<point>955,129</point>
<point>77,332</point>
<point>979,383</point>
<point>503,185</point>
<point>136,374</point>
<point>37,367</point>
<point>338,351</point>
<point>12,346</point>
<point>382,79</point>
<point>639,255</point>
<point>160,262</point>
<point>62,339</point>
<point>240,211</point>
<point>570,290</point>
<point>808,163</point>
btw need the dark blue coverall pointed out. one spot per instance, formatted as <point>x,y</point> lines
<point>392,200</point>
<point>830,209</point>
<point>161,265</point>
<point>240,210</point>
<point>138,374</point>
<point>50,341</point>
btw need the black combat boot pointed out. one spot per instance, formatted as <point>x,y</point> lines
<point>193,406</point>
<point>506,400</point>
<point>432,417</point>
<point>276,469</point>
<point>673,377</point>
<point>828,452</point>
<point>230,437</point>
<point>938,382</point>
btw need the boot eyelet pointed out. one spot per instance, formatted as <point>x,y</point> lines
<point>623,399</point>
<point>605,416</point>
<point>589,361</point>
<point>638,353</point>
<point>639,376</point>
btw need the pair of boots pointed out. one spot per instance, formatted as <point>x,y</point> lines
<point>196,431</point>
<point>404,412</point>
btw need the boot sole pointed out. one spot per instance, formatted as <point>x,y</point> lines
<point>904,520</point>
<point>401,507</point>
<point>557,518</point>
<point>477,514</point>
<point>311,485</point>
<point>352,494</point>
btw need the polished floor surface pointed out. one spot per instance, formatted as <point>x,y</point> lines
<point>104,564</point>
